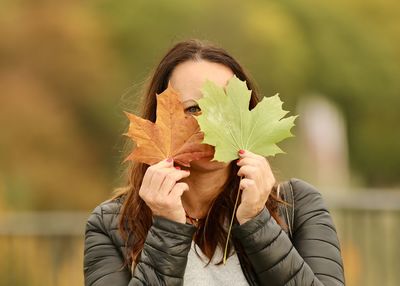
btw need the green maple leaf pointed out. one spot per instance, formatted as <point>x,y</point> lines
<point>229,125</point>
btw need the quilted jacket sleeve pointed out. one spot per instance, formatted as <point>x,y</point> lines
<point>103,263</point>
<point>162,261</point>
<point>164,256</point>
<point>314,256</point>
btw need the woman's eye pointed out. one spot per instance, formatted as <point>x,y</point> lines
<point>193,109</point>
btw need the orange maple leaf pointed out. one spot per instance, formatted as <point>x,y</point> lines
<point>173,135</point>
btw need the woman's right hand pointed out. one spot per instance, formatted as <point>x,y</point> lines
<point>161,191</point>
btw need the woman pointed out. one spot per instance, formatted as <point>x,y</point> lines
<point>169,226</point>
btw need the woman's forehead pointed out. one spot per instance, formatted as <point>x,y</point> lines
<point>188,77</point>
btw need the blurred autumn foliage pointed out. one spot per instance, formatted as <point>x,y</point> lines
<point>65,67</point>
<point>57,73</point>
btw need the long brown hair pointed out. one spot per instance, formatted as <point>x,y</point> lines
<point>136,216</point>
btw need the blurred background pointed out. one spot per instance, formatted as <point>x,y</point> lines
<point>69,68</point>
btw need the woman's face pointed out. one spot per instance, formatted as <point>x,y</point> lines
<point>187,79</point>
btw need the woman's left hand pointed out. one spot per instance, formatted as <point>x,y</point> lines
<point>256,184</point>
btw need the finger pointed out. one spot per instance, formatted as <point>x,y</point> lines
<point>151,170</point>
<point>178,190</point>
<point>250,192</point>
<point>159,177</point>
<point>170,180</point>
<point>258,161</point>
<point>249,161</point>
<point>248,171</point>
<point>148,175</point>
<point>169,162</point>
<point>248,154</point>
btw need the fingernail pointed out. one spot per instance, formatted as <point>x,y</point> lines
<point>177,167</point>
<point>241,151</point>
<point>169,160</point>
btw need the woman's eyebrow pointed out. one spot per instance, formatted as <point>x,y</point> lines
<point>190,101</point>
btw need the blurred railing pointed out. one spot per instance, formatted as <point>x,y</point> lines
<point>368,226</point>
<point>46,248</point>
<point>42,248</point>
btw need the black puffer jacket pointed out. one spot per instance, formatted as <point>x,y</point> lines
<point>312,257</point>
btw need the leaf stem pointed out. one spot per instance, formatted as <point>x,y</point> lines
<point>231,223</point>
